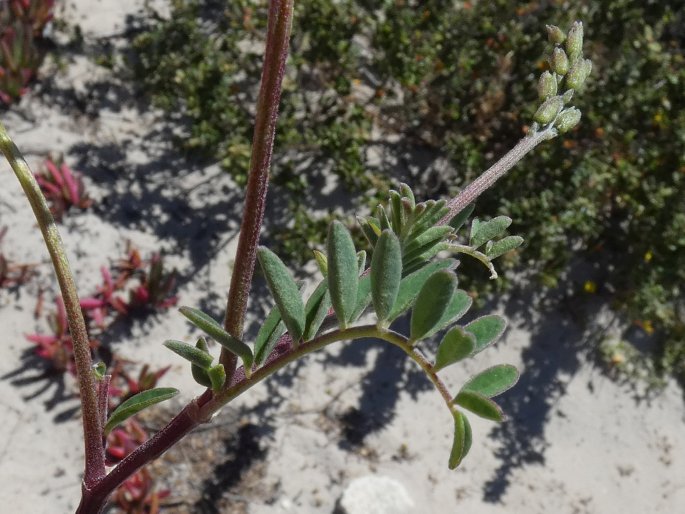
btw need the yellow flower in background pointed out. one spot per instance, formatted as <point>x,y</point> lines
<point>589,286</point>
<point>648,256</point>
<point>648,327</point>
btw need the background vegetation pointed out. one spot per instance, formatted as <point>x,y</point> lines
<point>433,92</point>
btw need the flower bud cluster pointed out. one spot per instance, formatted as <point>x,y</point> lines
<point>568,71</point>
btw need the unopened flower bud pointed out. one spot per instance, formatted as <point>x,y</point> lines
<point>559,61</point>
<point>547,85</point>
<point>568,118</point>
<point>549,110</point>
<point>567,96</point>
<point>578,73</point>
<point>574,42</point>
<point>555,35</point>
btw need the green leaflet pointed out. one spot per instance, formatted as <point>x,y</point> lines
<point>455,346</point>
<point>316,310</point>
<point>502,246</point>
<point>459,219</point>
<point>480,405</point>
<point>424,241</point>
<point>200,374</point>
<point>431,303</point>
<point>190,353</point>
<point>486,329</point>
<point>398,215</point>
<point>493,381</point>
<point>321,261</point>
<point>412,284</point>
<point>137,403</point>
<point>461,443</point>
<point>407,193</point>
<point>456,308</point>
<point>386,274</point>
<point>217,377</point>
<point>482,232</point>
<point>99,370</point>
<point>267,337</point>
<point>363,297</point>
<point>285,292</point>
<point>361,261</point>
<point>342,277</point>
<point>434,212</point>
<point>383,219</point>
<point>368,230</point>
<point>212,328</point>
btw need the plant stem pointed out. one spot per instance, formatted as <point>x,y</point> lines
<point>92,425</point>
<point>352,333</point>
<point>202,409</point>
<point>273,69</point>
<point>471,192</point>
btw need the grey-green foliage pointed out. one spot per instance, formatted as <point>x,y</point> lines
<point>405,277</point>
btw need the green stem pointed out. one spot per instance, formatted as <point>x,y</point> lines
<point>351,333</point>
<point>278,37</point>
<point>92,425</point>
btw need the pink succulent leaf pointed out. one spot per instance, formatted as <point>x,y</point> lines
<point>40,339</point>
<point>56,175</point>
<point>91,303</point>
<point>48,187</point>
<point>71,184</point>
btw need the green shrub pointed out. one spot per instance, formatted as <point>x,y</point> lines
<point>448,79</point>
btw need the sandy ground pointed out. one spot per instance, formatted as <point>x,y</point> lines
<point>576,442</point>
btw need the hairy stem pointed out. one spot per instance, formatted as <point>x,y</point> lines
<point>92,424</point>
<point>359,332</point>
<point>202,409</point>
<point>471,192</point>
<point>278,36</point>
